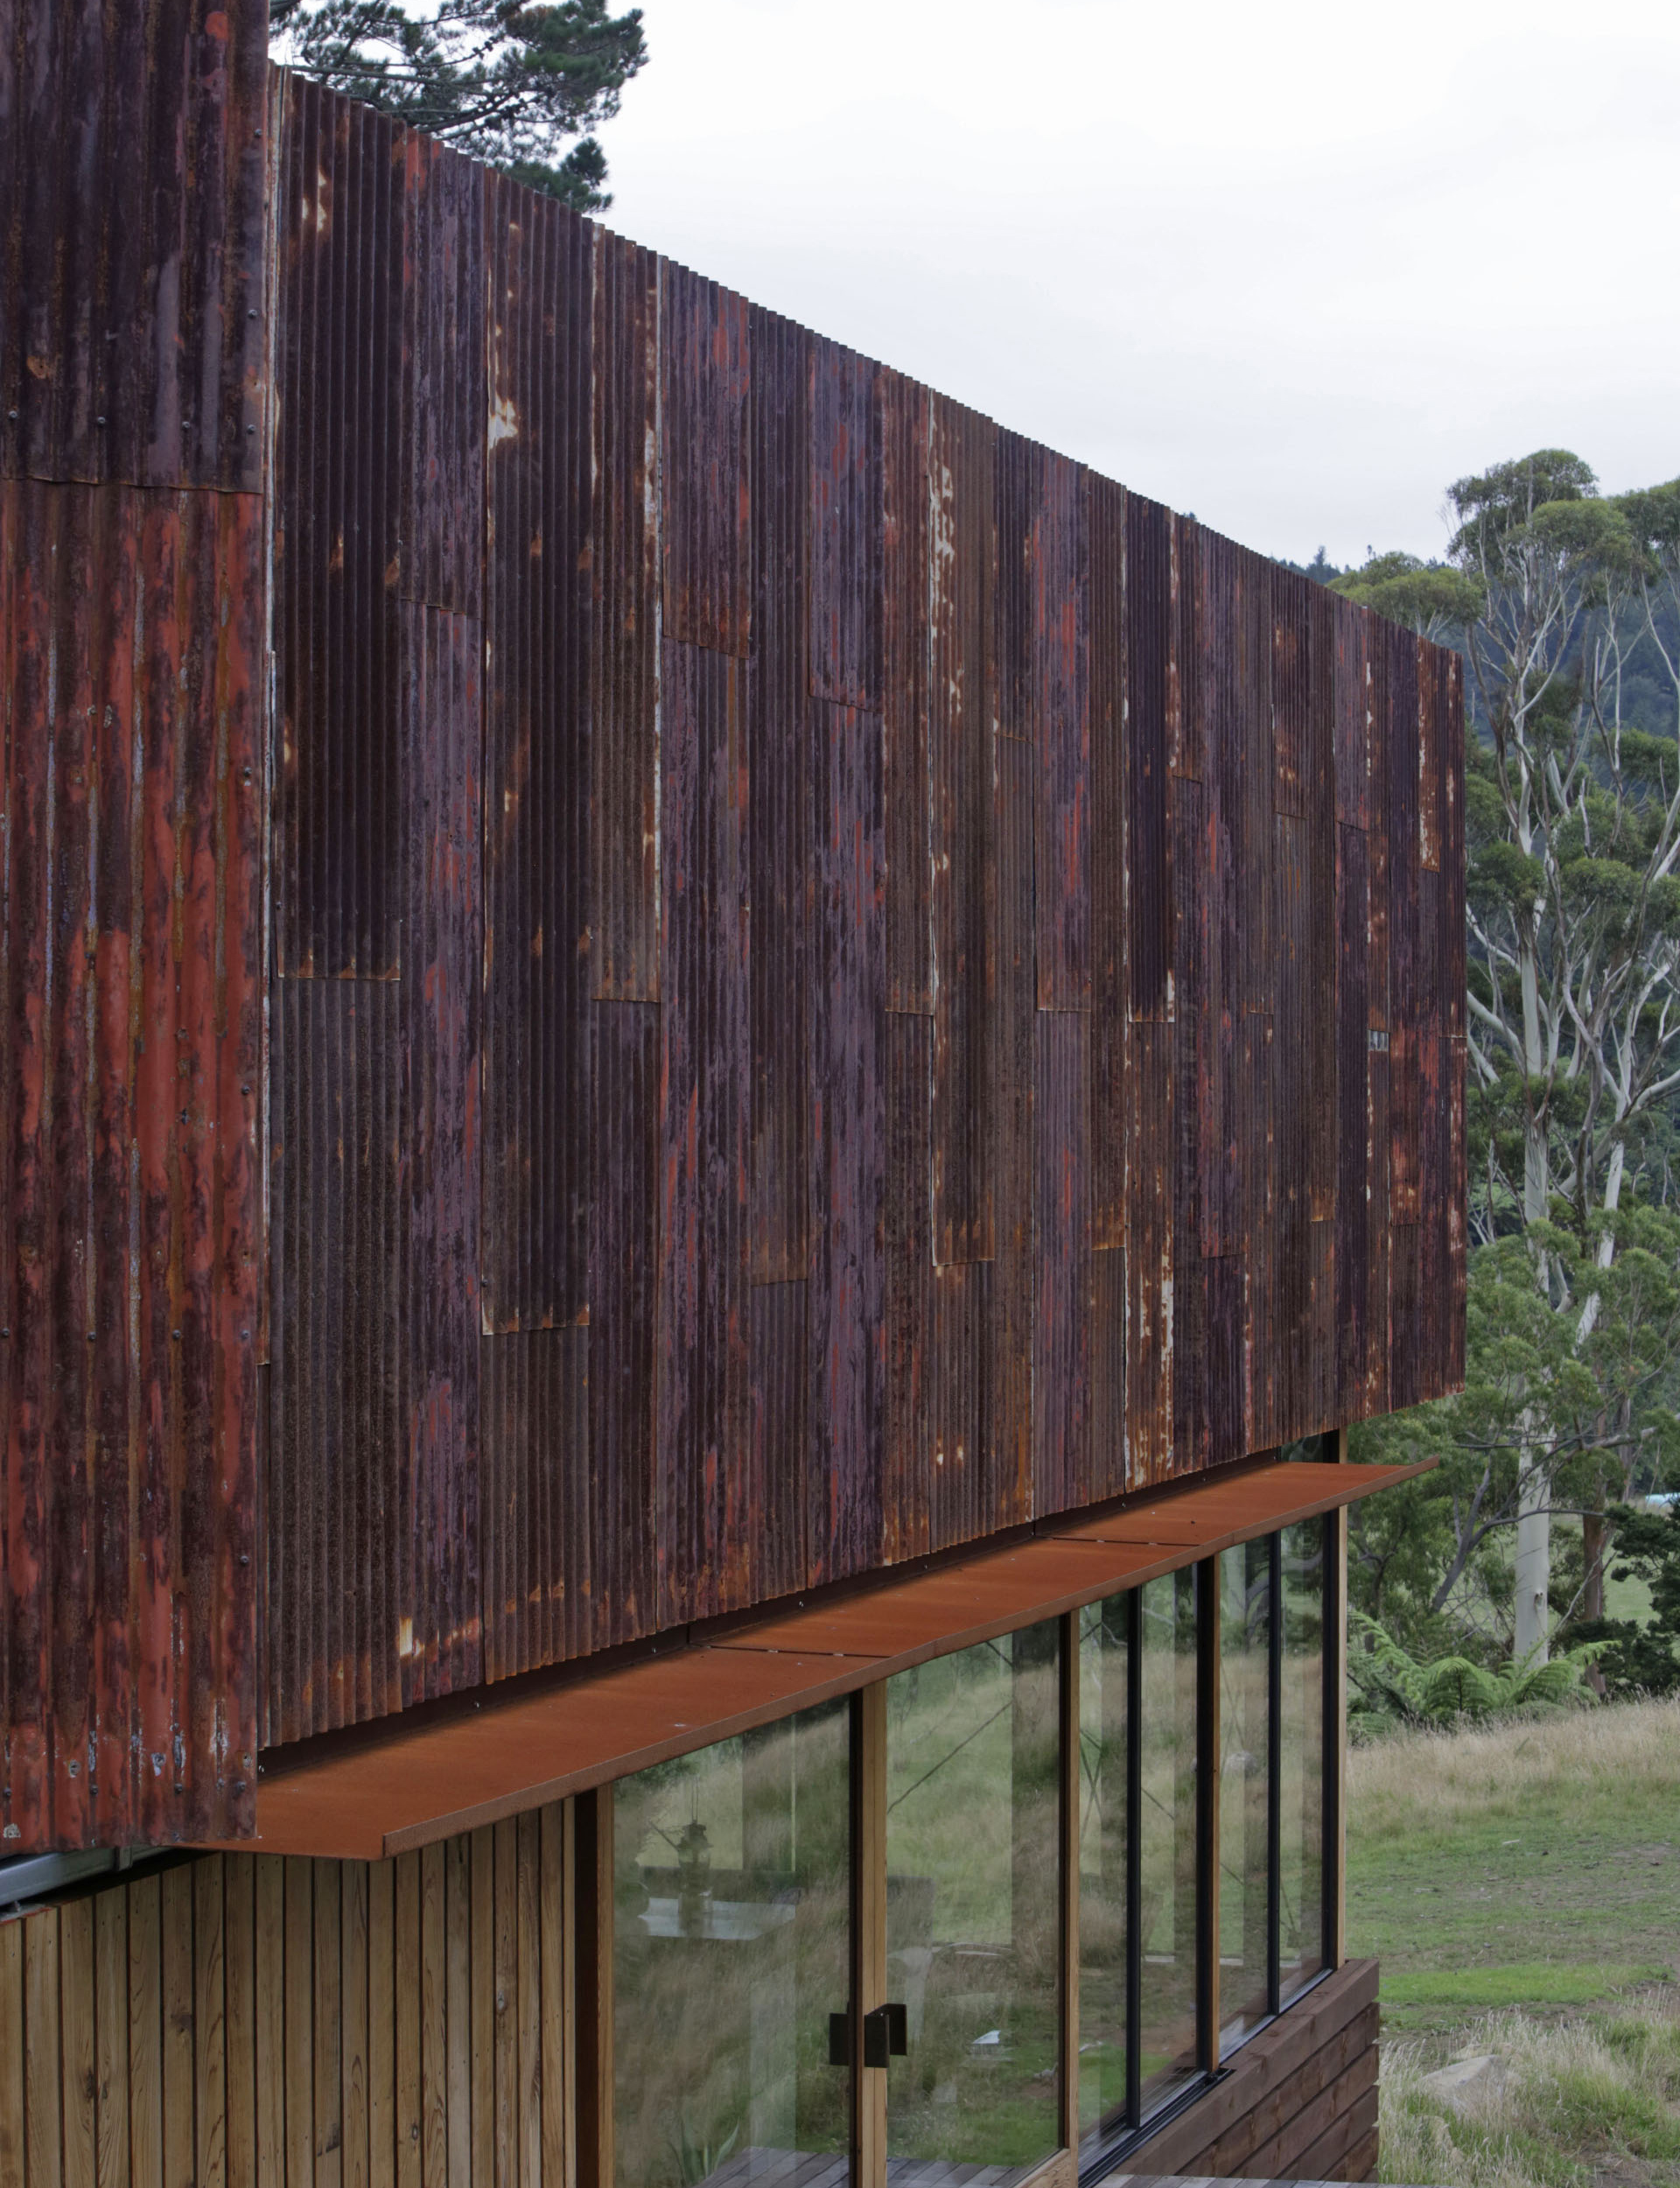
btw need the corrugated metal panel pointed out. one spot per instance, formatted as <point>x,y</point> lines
<point>781,825</point>
<point>957,1505</point>
<point>1190,1434</point>
<point>537,958</point>
<point>1219,1083</point>
<point>337,538</point>
<point>131,634</point>
<point>1062,1352</point>
<point>1058,556</point>
<point>780,1378</point>
<point>1352,1068</point>
<point>705,1532</point>
<point>704,372</point>
<point>846,528</point>
<point>626,1246</point>
<point>847,1330</point>
<point>538,1511</point>
<point>133,176</point>
<point>1150,1167</point>
<point>623,669</point>
<point>961,828</point>
<point>442,659</point>
<point>133,171</point>
<point>909,1257</point>
<point>1149,635</point>
<point>912,921</point>
<point>906,512</point>
<point>337,1586</point>
<point>1405,923</point>
<point>1006,1494</point>
<point>1110,925</point>
<point>444,375</point>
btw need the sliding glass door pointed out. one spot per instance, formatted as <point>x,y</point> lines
<point>973,1909</point>
<point>732,1925</point>
<point>1002,1912</point>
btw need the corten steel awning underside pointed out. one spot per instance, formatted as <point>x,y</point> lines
<point>417,1783</point>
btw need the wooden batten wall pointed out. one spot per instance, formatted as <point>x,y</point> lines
<point>250,2022</point>
<point>1298,2103</point>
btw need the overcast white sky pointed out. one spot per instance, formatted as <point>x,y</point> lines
<point>1293,266</point>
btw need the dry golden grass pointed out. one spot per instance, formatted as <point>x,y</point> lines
<point>1595,2099</point>
<point>1426,1780</point>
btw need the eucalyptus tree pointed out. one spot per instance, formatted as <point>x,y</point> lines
<point>509,82</point>
<point>1573,835</point>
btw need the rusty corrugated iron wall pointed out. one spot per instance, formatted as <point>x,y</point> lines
<point>842,983</point>
<point>835,982</point>
<point>133,334</point>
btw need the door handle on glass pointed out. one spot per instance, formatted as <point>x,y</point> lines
<point>887,2035</point>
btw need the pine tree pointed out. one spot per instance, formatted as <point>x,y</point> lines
<point>511,83</point>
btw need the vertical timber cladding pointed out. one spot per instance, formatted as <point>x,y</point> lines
<point>133,332</point>
<point>841,981</point>
<point>244,2018</point>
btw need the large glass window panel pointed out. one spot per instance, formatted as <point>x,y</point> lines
<point>1103,1828</point>
<point>1166,2029</point>
<point>1245,1791</point>
<point>973,1928</point>
<point>1301,1708</point>
<point>731,1949</point>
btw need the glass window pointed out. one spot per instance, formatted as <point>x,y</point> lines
<point>1301,1709</point>
<point>1104,1829</point>
<point>1244,1789</point>
<point>973,1926</point>
<point>731,1949</point>
<point>1166,1837</point>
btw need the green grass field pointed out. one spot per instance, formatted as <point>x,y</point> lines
<point>1521,1885</point>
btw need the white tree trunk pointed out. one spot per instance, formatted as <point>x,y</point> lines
<point>1533,1557</point>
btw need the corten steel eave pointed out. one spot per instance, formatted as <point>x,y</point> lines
<point>433,1782</point>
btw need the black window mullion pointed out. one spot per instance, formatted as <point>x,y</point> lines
<point>1207,1600</point>
<point>1134,1856</point>
<point>1274,1775</point>
<point>1330,1759</point>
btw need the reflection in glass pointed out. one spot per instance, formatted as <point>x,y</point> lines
<point>732,1913</point>
<point>972,1904</point>
<point>1102,1829</point>
<point>1166,2030</point>
<point>1244,1804</point>
<point>1301,1758</point>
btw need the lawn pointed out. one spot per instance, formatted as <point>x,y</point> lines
<point>1522,1887</point>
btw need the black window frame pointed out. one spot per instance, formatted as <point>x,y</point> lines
<point>1112,2140</point>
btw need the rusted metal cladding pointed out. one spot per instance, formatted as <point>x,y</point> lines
<point>133,207</point>
<point>133,171</point>
<point>131,645</point>
<point>837,983</point>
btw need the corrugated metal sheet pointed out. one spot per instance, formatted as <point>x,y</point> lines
<point>538,737</point>
<point>133,177</point>
<point>838,982</point>
<point>131,634</point>
<point>133,195</point>
<point>933,1087</point>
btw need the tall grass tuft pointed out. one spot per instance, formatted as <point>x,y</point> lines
<point>1567,2103</point>
<point>1424,1780</point>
